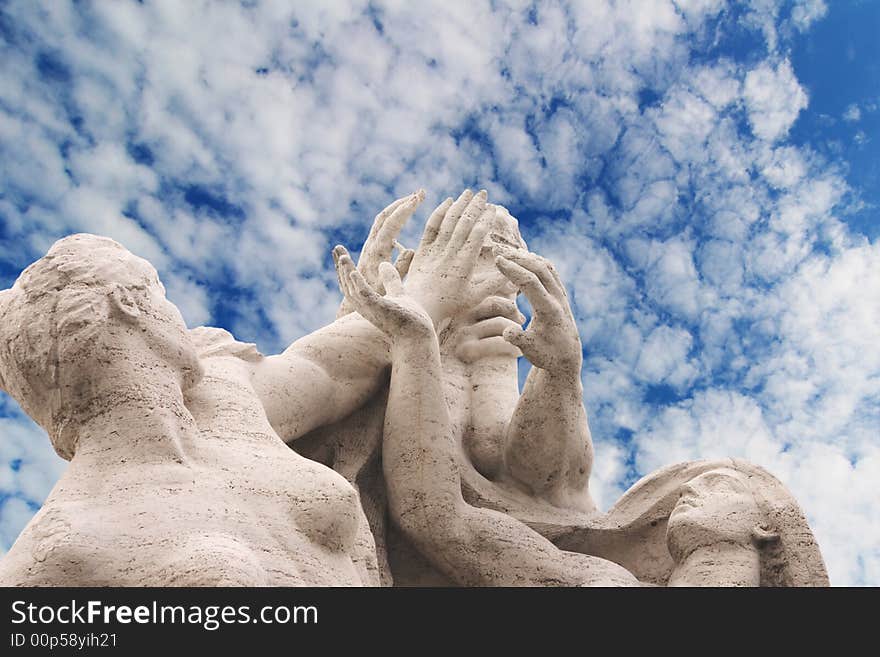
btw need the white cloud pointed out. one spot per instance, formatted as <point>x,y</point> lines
<point>664,358</point>
<point>806,12</point>
<point>671,279</point>
<point>718,84</point>
<point>853,113</point>
<point>684,124</point>
<point>773,98</point>
<point>715,423</point>
<point>830,318</point>
<point>784,167</point>
<point>697,10</point>
<point>721,264</point>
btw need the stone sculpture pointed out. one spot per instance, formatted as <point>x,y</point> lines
<point>168,439</point>
<point>179,440</point>
<point>533,448</point>
<point>670,518</point>
<point>470,545</point>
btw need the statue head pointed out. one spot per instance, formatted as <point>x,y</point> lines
<point>670,512</point>
<point>745,505</point>
<point>714,507</point>
<point>86,308</point>
<point>505,230</point>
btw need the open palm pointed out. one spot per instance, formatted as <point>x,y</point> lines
<point>396,313</point>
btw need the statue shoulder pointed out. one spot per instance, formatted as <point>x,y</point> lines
<point>212,342</point>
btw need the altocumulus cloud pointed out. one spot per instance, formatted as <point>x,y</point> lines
<point>726,308</point>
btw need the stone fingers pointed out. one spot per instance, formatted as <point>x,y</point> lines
<point>474,350</point>
<point>380,218</point>
<point>519,338</point>
<point>432,227</point>
<point>373,307</point>
<point>465,224</point>
<point>404,259</point>
<point>539,266</point>
<point>470,249</point>
<point>392,226</point>
<point>344,267</point>
<point>496,306</point>
<point>529,283</point>
<point>447,226</point>
<point>494,326</point>
<point>390,278</point>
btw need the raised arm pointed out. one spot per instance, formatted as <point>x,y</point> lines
<point>548,445</point>
<point>472,546</point>
<point>328,374</point>
<point>381,241</point>
<point>322,377</point>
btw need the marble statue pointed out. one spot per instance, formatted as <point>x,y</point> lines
<point>176,475</point>
<point>529,456</point>
<point>472,546</point>
<point>390,447</point>
<point>673,522</point>
<point>533,447</point>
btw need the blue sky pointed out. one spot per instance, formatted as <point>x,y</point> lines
<point>704,174</point>
<point>838,62</point>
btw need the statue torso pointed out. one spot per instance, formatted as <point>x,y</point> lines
<point>243,509</point>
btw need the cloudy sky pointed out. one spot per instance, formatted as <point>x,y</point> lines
<point>706,176</point>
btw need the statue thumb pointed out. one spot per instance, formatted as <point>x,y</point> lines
<point>516,336</point>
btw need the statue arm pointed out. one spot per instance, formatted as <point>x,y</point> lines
<point>472,546</point>
<point>326,375</point>
<point>322,377</point>
<point>548,446</point>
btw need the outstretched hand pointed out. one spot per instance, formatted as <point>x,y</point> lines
<point>382,240</point>
<point>551,340</point>
<point>444,260</point>
<point>396,313</point>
